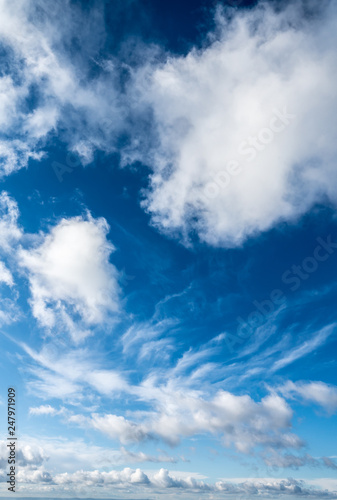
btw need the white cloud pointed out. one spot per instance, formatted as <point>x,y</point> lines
<point>143,337</point>
<point>26,455</point>
<point>35,37</point>
<point>133,457</point>
<point>182,408</point>
<point>5,275</point>
<point>55,373</point>
<point>179,403</point>
<point>47,384</point>
<point>9,311</point>
<point>208,106</point>
<point>10,235</point>
<point>10,232</point>
<point>239,420</point>
<point>15,154</point>
<point>57,453</point>
<point>230,102</point>
<point>117,427</point>
<point>319,393</point>
<point>317,340</point>
<point>90,478</point>
<point>70,275</point>
<point>129,482</point>
<point>43,410</point>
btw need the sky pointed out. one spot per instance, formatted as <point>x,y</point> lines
<point>168,248</point>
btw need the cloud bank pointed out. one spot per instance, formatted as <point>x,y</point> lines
<point>137,482</point>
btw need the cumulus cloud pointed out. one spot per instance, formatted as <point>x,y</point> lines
<point>117,427</point>
<point>319,393</point>
<point>34,476</point>
<point>136,481</point>
<point>26,455</point>
<point>70,274</point>
<point>243,127</point>
<point>126,475</point>
<point>239,420</point>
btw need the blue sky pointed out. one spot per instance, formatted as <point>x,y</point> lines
<point>168,248</point>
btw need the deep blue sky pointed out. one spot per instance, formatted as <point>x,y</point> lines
<point>154,332</point>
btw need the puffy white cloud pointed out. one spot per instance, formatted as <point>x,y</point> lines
<point>164,479</point>
<point>244,127</point>
<point>40,459</point>
<point>125,476</point>
<point>34,476</point>
<point>70,275</point>
<point>319,393</point>
<point>135,482</point>
<point>26,455</point>
<point>117,427</point>
<point>242,422</point>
